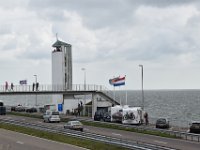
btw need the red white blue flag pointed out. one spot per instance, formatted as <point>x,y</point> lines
<point>118,81</point>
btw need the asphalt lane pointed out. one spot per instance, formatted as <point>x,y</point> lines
<point>169,142</point>
<point>10,140</point>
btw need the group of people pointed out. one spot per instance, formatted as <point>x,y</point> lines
<point>35,86</point>
<point>11,86</point>
<point>77,111</point>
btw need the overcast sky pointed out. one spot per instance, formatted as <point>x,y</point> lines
<point>108,37</point>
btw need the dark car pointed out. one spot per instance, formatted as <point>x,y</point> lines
<point>106,117</point>
<point>195,127</point>
<point>98,116</point>
<point>13,108</point>
<point>31,110</point>
<point>162,123</point>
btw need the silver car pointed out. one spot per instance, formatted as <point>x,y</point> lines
<point>74,125</point>
<point>51,116</point>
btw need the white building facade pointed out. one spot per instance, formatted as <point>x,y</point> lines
<point>61,70</point>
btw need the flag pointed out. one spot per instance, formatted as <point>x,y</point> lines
<point>21,82</point>
<point>117,81</point>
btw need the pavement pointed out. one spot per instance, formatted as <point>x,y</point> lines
<point>10,140</point>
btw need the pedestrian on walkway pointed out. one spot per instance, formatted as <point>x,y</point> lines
<point>33,86</point>
<point>12,86</point>
<point>6,85</point>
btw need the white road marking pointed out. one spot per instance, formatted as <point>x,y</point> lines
<point>160,142</point>
<point>116,134</point>
<point>20,142</point>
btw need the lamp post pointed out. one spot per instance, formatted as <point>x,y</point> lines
<point>83,69</point>
<point>35,87</point>
<point>142,86</point>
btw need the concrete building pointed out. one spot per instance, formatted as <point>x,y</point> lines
<point>61,70</point>
<point>62,65</point>
<point>62,81</point>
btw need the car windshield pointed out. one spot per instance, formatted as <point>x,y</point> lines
<point>76,123</point>
<point>161,121</point>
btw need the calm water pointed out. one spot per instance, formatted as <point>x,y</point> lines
<point>179,106</point>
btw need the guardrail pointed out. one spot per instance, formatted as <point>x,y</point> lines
<point>177,134</point>
<point>136,145</point>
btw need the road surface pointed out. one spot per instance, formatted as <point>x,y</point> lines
<point>10,140</point>
<point>168,142</point>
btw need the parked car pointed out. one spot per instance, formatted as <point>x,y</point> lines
<point>100,116</point>
<point>13,108</point>
<point>106,117</point>
<point>195,127</point>
<point>2,108</point>
<point>31,110</point>
<point>51,116</point>
<point>162,123</point>
<point>74,125</point>
<point>20,108</point>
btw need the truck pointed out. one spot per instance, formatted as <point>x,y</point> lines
<point>132,115</point>
<point>116,113</point>
<point>127,114</point>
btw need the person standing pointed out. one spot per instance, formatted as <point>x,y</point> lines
<point>37,86</point>
<point>33,86</point>
<point>12,86</point>
<point>6,85</point>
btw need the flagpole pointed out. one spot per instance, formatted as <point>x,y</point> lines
<point>126,95</point>
<point>114,92</point>
<point>120,96</point>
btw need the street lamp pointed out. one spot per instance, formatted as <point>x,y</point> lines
<point>142,86</point>
<point>36,89</point>
<point>83,69</point>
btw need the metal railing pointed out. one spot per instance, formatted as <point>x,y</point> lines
<point>49,87</point>
<point>177,134</point>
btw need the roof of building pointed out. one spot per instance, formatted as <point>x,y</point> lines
<point>59,43</point>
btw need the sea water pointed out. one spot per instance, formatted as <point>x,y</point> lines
<point>180,106</point>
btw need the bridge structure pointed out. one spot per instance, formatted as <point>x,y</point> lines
<point>100,95</point>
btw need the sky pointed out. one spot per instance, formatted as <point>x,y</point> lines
<point>109,39</point>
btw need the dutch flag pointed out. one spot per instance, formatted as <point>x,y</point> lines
<point>117,81</point>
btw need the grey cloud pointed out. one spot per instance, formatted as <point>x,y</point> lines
<point>5,29</point>
<point>100,14</point>
<point>34,54</point>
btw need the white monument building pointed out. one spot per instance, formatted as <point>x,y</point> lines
<point>62,81</point>
<point>61,70</point>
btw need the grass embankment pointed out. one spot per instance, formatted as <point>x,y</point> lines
<point>96,124</point>
<point>93,145</point>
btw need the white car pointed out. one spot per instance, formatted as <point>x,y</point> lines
<point>51,116</point>
<point>74,125</point>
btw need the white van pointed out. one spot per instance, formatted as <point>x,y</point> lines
<point>51,116</point>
